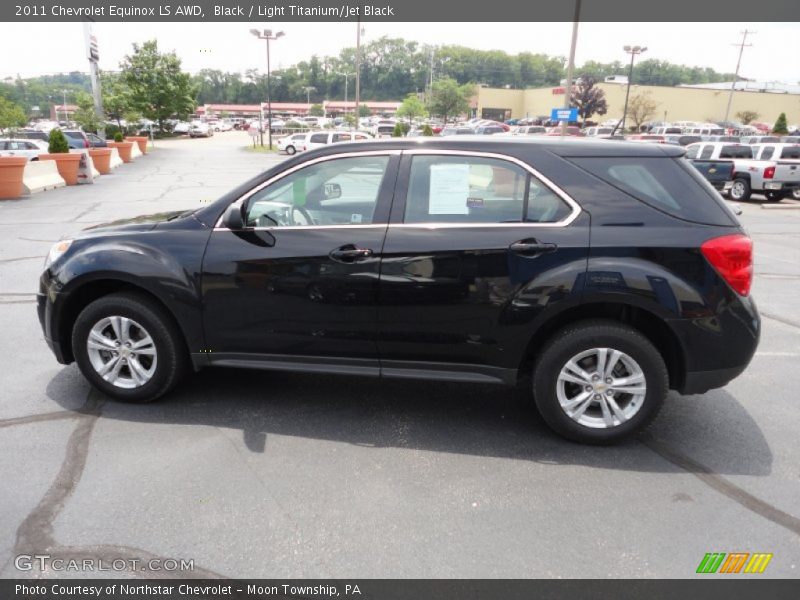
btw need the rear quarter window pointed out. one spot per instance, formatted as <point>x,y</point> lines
<point>670,185</point>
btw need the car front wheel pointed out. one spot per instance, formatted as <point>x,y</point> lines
<point>290,150</point>
<point>128,347</point>
<point>598,382</point>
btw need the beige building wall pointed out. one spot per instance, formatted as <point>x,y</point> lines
<point>678,104</point>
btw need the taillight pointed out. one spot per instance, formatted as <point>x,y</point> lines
<point>769,172</point>
<point>732,257</point>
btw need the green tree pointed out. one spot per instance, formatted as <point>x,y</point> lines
<point>11,115</point>
<point>747,116</point>
<point>426,130</point>
<point>780,125</point>
<point>86,116</point>
<point>588,99</point>
<point>316,110</point>
<point>449,99</point>
<point>58,142</point>
<point>411,108</point>
<point>158,87</point>
<point>364,111</point>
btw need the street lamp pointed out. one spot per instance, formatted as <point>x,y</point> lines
<point>267,35</point>
<point>308,89</point>
<point>633,51</point>
<point>345,75</point>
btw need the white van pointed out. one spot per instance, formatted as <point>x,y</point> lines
<point>318,139</point>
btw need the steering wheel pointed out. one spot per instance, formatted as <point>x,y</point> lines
<point>300,216</point>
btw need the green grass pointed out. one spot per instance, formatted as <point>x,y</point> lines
<point>261,149</point>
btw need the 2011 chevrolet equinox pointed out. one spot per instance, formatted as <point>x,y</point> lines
<point>607,272</point>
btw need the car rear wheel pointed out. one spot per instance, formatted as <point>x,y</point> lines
<point>774,196</point>
<point>796,193</point>
<point>598,382</point>
<point>128,348</point>
<point>290,150</point>
<point>740,190</point>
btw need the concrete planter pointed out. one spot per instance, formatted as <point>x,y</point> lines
<point>12,169</point>
<point>124,149</point>
<point>101,157</point>
<point>141,141</point>
<point>68,165</point>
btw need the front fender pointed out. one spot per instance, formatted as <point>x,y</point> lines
<point>167,265</point>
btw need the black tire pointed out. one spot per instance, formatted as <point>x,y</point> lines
<point>796,193</point>
<point>583,336</point>
<point>171,350</point>
<point>743,185</point>
<point>290,150</point>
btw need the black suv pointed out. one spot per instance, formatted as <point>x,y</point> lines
<point>607,273</point>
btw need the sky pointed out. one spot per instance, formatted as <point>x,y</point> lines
<point>59,47</point>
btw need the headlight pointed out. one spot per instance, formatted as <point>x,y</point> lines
<point>58,249</point>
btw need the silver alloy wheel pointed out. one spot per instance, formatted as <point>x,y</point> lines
<point>796,193</point>
<point>601,388</point>
<point>122,352</point>
<point>737,190</point>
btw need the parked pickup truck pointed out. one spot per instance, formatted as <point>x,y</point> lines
<point>787,164</point>
<point>718,172</point>
<point>749,174</point>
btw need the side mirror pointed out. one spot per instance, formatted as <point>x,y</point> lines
<point>333,191</point>
<point>233,218</point>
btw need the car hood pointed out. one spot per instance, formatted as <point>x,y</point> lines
<point>140,223</point>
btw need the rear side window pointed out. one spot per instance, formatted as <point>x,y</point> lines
<point>449,189</point>
<point>670,185</point>
<point>736,152</point>
<point>319,138</point>
<point>767,152</point>
<point>707,152</point>
<point>790,153</point>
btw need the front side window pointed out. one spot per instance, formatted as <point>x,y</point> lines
<point>342,191</point>
<point>767,152</point>
<point>455,189</point>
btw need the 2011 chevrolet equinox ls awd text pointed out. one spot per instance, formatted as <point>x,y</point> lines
<point>607,272</point>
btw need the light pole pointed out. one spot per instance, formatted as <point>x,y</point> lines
<point>308,89</point>
<point>633,51</point>
<point>345,75</point>
<point>267,35</point>
<point>64,106</point>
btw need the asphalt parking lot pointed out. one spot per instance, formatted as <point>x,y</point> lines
<point>259,474</point>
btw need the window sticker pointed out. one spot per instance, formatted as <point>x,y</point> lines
<point>449,189</point>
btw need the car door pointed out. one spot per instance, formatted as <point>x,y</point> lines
<point>300,279</point>
<point>479,247</point>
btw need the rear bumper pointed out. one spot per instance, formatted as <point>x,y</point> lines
<point>717,349</point>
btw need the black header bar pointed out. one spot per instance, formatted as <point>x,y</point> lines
<point>711,11</point>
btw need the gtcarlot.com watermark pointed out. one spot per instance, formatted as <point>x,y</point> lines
<point>46,562</point>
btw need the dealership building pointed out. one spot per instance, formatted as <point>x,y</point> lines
<point>332,108</point>
<point>706,102</point>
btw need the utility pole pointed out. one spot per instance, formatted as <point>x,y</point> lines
<point>742,46</point>
<point>571,64</point>
<point>633,51</point>
<point>358,70</point>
